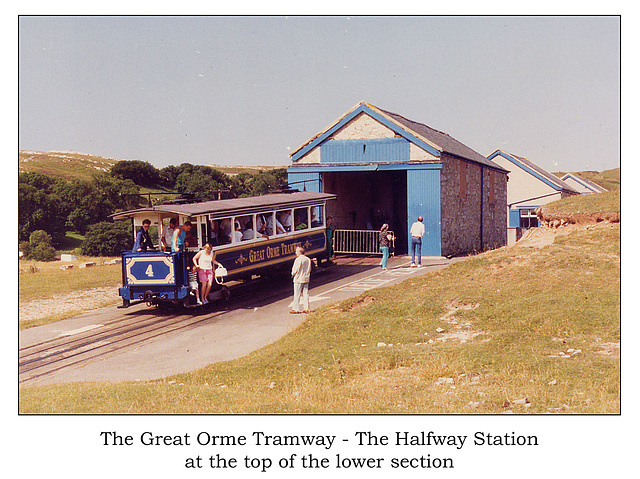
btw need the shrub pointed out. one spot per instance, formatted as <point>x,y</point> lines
<point>38,247</point>
<point>107,239</point>
<point>43,252</point>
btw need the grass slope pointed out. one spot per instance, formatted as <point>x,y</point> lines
<point>528,330</point>
<point>608,179</point>
<point>67,165</point>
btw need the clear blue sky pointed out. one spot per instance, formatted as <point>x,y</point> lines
<point>249,90</point>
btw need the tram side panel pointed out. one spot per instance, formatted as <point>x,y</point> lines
<point>260,256</point>
<point>156,277</point>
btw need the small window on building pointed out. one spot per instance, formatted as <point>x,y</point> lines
<point>528,218</point>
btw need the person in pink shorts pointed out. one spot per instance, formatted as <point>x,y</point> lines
<point>205,259</point>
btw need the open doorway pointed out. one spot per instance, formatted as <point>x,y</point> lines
<point>367,200</point>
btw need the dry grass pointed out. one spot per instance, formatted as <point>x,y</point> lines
<point>525,330</point>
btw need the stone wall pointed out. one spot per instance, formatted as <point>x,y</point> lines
<point>460,206</point>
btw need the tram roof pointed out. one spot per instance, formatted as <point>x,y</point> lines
<point>233,206</point>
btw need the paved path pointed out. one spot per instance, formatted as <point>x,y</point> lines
<point>254,320</point>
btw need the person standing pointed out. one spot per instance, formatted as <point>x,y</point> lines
<point>385,238</point>
<point>179,235</point>
<point>416,232</point>
<point>203,262</point>
<point>301,273</point>
<point>167,234</point>
<point>329,238</point>
<point>143,240</point>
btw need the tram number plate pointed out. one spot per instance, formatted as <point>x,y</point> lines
<point>145,270</point>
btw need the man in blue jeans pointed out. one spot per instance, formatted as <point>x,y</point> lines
<point>416,232</point>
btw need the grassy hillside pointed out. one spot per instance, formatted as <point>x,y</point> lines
<point>519,329</point>
<point>68,165</point>
<point>609,179</point>
<point>71,165</point>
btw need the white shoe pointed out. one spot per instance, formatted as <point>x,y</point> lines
<point>413,265</point>
<point>198,301</point>
<point>419,266</point>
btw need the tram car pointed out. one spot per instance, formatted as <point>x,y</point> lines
<point>249,236</point>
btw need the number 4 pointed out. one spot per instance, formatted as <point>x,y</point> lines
<point>149,271</point>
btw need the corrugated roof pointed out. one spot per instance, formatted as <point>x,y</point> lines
<point>231,206</point>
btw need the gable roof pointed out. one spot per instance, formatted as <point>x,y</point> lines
<point>530,167</point>
<point>590,185</point>
<point>434,141</point>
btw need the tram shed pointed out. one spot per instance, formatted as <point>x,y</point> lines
<point>385,168</point>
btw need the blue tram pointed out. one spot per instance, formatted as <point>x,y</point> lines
<point>248,235</point>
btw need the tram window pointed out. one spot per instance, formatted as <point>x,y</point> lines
<point>246,227</point>
<point>191,238</point>
<point>224,230</point>
<point>271,221</point>
<point>236,234</point>
<point>262,224</point>
<point>317,218</point>
<point>300,218</point>
<point>283,222</point>
<point>215,237</point>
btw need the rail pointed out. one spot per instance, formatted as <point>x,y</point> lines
<point>357,241</point>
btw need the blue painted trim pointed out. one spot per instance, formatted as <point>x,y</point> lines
<point>350,116</point>
<point>375,150</point>
<point>525,168</point>
<point>404,166</point>
<point>388,167</point>
<point>423,199</point>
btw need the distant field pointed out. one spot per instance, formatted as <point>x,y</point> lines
<point>609,179</point>
<point>234,170</point>
<point>60,164</point>
<point>70,165</point>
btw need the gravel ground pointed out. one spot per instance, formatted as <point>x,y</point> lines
<point>79,301</point>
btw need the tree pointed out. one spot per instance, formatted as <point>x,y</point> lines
<point>39,208</point>
<point>107,239</point>
<point>141,173</point>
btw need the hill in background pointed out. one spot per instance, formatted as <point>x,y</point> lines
<point>64,164</point>
<point>70,165</point>
<point>609,179</point>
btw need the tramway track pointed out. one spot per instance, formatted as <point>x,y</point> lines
<point>57,355</point>
<point>127,331</point>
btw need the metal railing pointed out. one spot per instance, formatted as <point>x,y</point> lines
<point>358,241</point>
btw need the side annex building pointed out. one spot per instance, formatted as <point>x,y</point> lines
<point>385,168</point>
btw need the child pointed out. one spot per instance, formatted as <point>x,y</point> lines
<point>193,281</point>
